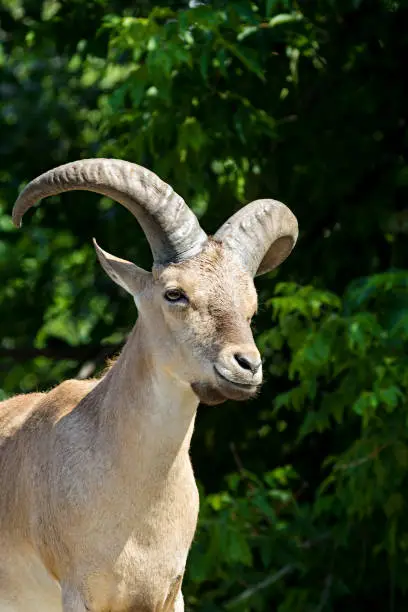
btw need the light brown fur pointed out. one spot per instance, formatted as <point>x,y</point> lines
<point>97,493</point>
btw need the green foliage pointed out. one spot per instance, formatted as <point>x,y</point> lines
<point>346,360</point>
<point>304,490</point>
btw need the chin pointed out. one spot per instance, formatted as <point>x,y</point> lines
<point>213,394</point>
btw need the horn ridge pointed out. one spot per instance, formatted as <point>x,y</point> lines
<point>172,229</point>
<point>262,234</point>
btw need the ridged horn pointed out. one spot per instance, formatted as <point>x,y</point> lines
<point>262,234</point>
<point>171,228</point>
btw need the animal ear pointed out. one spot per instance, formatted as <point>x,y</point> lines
<point>124,273</point>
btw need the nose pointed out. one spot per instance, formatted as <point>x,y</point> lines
<point>248,361</point>
<point>240,364</point>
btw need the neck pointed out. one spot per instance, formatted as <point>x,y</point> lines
<point>146,411</point>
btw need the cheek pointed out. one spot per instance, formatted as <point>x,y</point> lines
<point>202,329</point>
<point>194,332</point>
<point>180,324</point>
<point>174,320</point>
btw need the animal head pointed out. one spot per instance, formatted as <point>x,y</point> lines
<point>198,301</point>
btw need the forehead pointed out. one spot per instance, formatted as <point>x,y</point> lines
<point>215,268</point>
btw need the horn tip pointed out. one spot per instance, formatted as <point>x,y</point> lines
<point>16,219</point>
<point>97,248</point>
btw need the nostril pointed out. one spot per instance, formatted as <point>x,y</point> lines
<point>243,361</point>
<point>247,363</point>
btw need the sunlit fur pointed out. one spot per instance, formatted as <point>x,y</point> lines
<point>98,502</point>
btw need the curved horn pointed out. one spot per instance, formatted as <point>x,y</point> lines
<point>171,228</point>
<point>263,233</point>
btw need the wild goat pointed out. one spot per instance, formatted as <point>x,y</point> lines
<point>98,502</point>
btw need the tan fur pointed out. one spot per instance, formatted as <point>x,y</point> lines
<point>98,502</point>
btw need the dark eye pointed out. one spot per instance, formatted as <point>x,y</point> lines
<point>175,295</point>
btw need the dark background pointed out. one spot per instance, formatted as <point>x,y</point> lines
<point>304,491</point>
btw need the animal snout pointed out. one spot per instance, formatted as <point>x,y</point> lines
<point>248,361</point>
<point>240,365</point>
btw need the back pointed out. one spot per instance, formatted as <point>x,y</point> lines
<point>14,413</point>
<point>26,424</point>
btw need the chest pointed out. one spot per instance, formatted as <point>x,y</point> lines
<point>133,556</point>
<point>138,580</point>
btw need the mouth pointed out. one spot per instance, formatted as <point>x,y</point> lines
<point>226,389</point>
<point>232,382</point>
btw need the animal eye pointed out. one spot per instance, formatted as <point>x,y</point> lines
<point>175,295</point>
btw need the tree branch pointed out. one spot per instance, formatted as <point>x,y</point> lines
<point>76,353</point>
<point>249,592</point>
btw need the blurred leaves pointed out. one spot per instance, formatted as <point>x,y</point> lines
<point>303,490</point>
